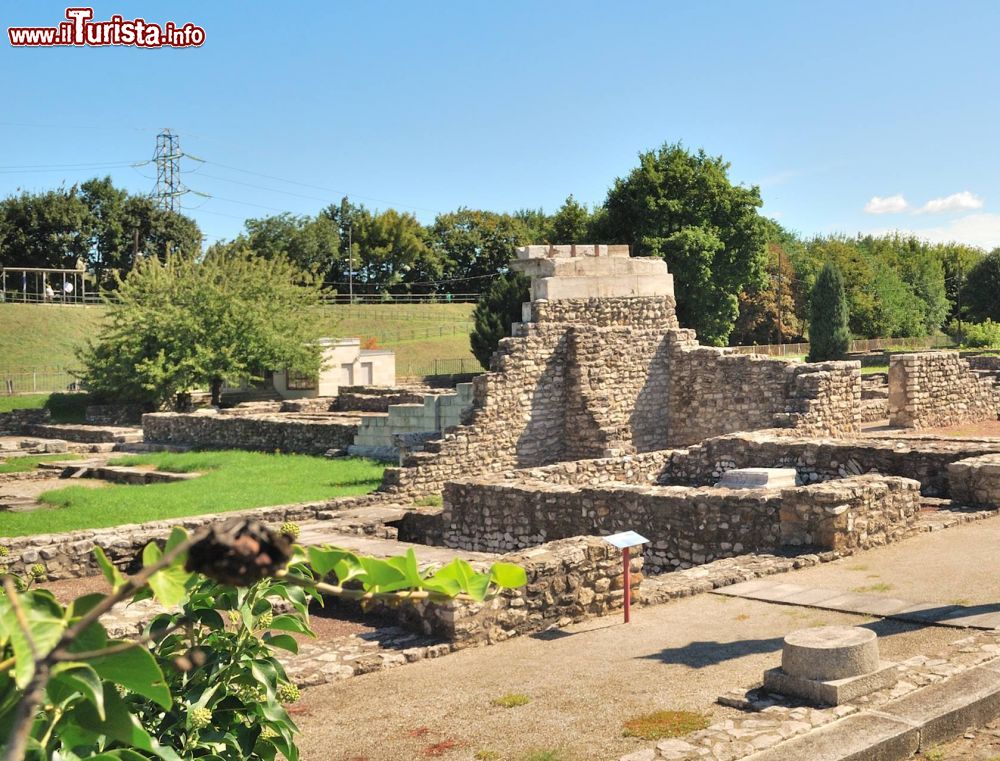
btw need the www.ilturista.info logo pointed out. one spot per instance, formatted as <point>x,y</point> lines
<point>80,30</point>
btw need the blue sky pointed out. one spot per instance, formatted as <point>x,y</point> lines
<point>831,108</point>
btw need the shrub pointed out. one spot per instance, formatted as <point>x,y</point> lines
<point>829,336</point>
<point>982,335</point>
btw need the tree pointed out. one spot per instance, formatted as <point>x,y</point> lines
<point>183,324</point>
<point>771,313</point>
<point>51,229</point>
<point>829,336</point>
<point>571,224</point>
<point>474,246</point>
<point>981,294</point>
<point>96,223</point>
<point>682,207</point>
<point>310,243</point>
<point>498,308</point>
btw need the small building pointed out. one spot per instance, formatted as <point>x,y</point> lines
<point>344,363</point>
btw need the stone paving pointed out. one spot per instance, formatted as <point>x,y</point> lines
<point>772,719</point>
<point>938,614</point>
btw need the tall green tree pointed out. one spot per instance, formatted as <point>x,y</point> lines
<point>498,308</point>
<point>473,246</point>
<point>570,224</point>
<point>52,229</point>
<point>981,294</point>
<point>682,207</point>
<point>829,335</point>
<point>184,323</point>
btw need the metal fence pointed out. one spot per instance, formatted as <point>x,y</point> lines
<point>460,366</point>
<point>37,381</point>
<point>861,345</point>
<point>11,296</point>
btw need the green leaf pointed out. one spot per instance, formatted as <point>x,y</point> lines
<point>170,585</point>
<point>111,573</point>
<point>508,575</point>
<point>458,574</point>
<point>80,677</point>
<point>284,641</point>
<point>135,669</point>
<point>46,622</point>
<point>120,725</point>
<point>288,623</point>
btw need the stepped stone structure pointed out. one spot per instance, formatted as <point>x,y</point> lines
<point>600,368</point>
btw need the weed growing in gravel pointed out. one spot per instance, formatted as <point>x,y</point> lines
<point>512,700</point>
<point>544,755</point>
<point>880,587</point>
<point>486,755</point>
<point>662,724</point>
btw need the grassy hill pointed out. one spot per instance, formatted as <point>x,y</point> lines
<point>44,336</point>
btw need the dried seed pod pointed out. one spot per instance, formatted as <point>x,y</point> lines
<point>239,552</point>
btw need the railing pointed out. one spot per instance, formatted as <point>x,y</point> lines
<point>37,381</point>
<point>461,366</point>
<point>861,345</point>
<point>12,296</point>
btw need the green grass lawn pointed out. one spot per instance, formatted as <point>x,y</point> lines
<point>24,464</point>
<point>23,402</point>
<point>34,336</point>
<point>232,480</point>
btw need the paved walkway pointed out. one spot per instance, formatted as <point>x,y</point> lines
<point>864,603</point>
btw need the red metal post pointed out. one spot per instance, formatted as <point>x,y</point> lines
<point>626,562</point>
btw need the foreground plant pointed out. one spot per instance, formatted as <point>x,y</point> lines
<point>202,681</point>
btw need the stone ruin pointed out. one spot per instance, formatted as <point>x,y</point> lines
<point>601,414</point>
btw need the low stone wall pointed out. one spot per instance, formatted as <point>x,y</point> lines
<point>686,526</point>
<point>983,362</point>
<point>932,389</point>
<point>976,480</point>
<point>16,421</point>
<point>266,433</point>
<point>113,414</point>
<point>70,555</point>
<point>568,580</point>
<point>849,514</point>
<point>309,404</point>
<point>373,398</point>
<point>85,434</point>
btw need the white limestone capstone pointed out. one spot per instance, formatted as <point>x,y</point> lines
<point>830,652</point>
<point>758,478</point>
<point>588,271</point>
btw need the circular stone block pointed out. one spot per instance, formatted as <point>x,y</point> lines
<point>826,653</point>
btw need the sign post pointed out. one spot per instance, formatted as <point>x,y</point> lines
<point>625,541</point>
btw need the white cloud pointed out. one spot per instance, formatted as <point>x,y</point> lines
<point>888,205</point>
<point>955,202</point>
<point>981,230</point>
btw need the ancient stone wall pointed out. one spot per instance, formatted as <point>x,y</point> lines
<point>686,526</point>
<point>568,580</point>
<point>849,514</point>
<point>976,480</point>
<point>113,414</point>
<point>715,391</point>
<point>16,421</point>
<point>639,312</point>
<point>373,398</point>
<point>932,389</point>
<point>822,459</point>
<point>266,433</point>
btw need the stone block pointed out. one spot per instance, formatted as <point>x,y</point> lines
<point>830,691</point>
<point>758,478</point>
